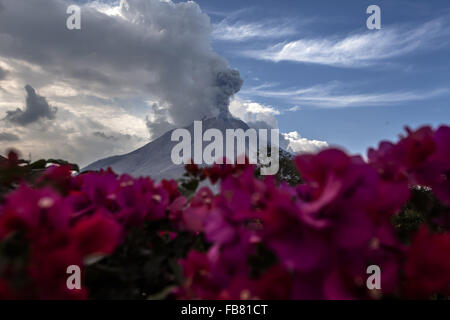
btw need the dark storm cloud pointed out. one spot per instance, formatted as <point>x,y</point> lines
<point>36,108</point>
<point>150,58</point>
<point>156,48</point>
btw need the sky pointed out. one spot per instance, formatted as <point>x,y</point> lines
<point>138,68</point>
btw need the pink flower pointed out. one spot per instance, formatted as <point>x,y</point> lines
<point>274,284</point>
<point>387,160</point>
<point>139,200</point>
<point>6,293</point>
<point>341,192</point>
<point>428,264</point>
<point>176,209</point>
<point>171,186</point>
<point>35,212</point>
<point>58,177</point>
<point>297,245</point>
<point>199,282</point>
<point>319,237</point>
<point>200,205</point>
<point>438,169</point>
<point>97,234</point>
<point>48,271</point>
<point>101,189</point>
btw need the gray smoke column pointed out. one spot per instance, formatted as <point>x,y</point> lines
<point>194,82</point>
<point>228,83</point>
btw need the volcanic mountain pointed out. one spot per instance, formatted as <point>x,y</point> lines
<point>154,159</point>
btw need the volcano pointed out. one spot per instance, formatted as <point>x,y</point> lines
<point>154,159</point>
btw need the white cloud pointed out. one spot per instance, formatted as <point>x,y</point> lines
<point>241,31</point>
<point>297,144</point>
<point>294,108</point>
<point>357,50</point>
<point>332,95</point>
<point>253,113</point>
<point>258,116</point>
<point>111,9</point>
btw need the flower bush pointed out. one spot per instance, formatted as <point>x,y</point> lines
<point>223,232</point>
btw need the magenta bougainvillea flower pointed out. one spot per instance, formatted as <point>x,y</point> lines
<point>34,212</point>
<point>428,264</point>
<point>261,238</point>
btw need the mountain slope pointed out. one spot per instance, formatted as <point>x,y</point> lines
<point>154,159</point>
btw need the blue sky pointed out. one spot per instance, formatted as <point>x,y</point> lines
<point>408,88</point>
